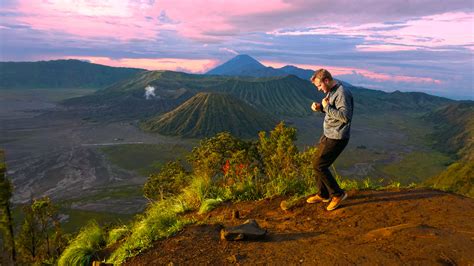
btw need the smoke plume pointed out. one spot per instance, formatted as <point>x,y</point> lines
<point>149,92</point>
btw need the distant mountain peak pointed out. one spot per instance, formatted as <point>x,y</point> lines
<point>237,64</point>
<point>244,56</point>
<point>246,60</point>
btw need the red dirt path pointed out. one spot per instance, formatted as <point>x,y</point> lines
<point>406,227</point>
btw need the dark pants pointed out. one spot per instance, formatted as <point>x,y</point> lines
<point>328,150</point>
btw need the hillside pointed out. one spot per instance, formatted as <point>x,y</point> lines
<point>61,74</point>
<point>282,96</point>
<point>455,134</point>
<point>458,177</point>
<point>206,114</point>
<point>454,128</point>
<point>399,227</point>
<point>369,101</point>
<point>287,95</point>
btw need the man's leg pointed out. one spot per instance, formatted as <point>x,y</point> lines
<point>328,151</point>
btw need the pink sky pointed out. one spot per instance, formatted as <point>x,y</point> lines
<point>140,20</point>
<point>338,71</point>
<point>128,19</point>
<point>177,64</point>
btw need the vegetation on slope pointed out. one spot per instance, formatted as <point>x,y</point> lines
<point>458,177</point>
<point>207,114</point>
<point>454,130</point>
<point>455,134</point>
<point>223,168</point>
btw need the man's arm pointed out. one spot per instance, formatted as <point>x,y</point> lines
<point>342,109</point>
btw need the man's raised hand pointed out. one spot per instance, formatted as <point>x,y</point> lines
<point>325,102</point>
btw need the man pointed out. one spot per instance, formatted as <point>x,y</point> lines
<point>337,106</point>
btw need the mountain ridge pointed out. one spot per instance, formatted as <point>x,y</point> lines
<point>69,73</point>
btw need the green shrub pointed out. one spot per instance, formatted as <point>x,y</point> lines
<point>210,156</point>
<point>279,152</point>
<point>250,189</point>
<point>170,180</point>
<point>83,249</point>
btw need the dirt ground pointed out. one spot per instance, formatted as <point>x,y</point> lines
<point>397,227</point>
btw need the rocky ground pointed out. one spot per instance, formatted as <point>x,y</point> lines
<point>397,227</point>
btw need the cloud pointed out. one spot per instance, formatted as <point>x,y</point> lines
<point>367,74</point>
<point>436,31</point>
<point>177,64</point>
<point>229,51</point>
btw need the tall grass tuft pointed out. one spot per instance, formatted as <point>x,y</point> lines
<point>83,249</point>
<point>209,204</point>
<point>117,234</point>
<point>160,221</point>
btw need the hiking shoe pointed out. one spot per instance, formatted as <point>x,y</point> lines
<point>336,201</point>
<point>317,198</point>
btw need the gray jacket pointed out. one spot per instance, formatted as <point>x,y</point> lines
<point>337,122</point>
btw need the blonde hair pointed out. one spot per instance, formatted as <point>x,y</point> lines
<point>321,74</point>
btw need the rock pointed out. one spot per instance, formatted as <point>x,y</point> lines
<point>249,230</point>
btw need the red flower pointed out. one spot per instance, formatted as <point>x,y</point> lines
<point>226,167</point>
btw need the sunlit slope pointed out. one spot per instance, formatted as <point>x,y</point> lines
<point>455,134</point>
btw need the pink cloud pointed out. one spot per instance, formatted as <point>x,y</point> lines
<point>383,48</point>
<point>84,19</point>
<point>428,32</point>
<point>217,20</point>
<point>207,20</point>
<point>339,71</point>
<point>175,64</point>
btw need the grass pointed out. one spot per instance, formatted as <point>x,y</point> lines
<point>83,249</point>
<point>159,221</point>
<point>144,158</point>
<point>209,204</point>
<point>117,234</point>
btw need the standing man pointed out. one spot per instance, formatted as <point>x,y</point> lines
<point>337,106</point>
